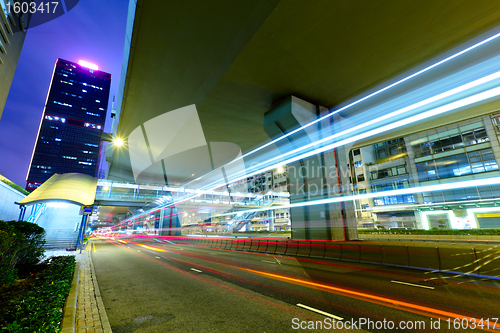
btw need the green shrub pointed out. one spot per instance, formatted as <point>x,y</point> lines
<point>20,248</point>
<point>40,309</point>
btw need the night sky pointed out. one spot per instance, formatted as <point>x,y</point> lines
<point>93,31</point>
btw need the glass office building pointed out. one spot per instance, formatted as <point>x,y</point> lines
<point>69,137</point>
<point>464,151</point>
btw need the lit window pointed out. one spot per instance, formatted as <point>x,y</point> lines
<point>94,126</point>
<point>63,104</point>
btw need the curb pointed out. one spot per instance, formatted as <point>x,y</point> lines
<point>106,327</point>
<point>69,312</point>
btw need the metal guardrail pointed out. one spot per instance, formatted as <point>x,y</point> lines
<point>36,211</point>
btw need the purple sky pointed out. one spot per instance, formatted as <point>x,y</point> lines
<point>94,31</point>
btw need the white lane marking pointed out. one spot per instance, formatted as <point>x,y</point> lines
<point>413,285</point>
<point>319,311</point>
<point>279,262</point>
<point>158,258</point>
<point>196,270</point>
<point>271,262</point>
<point>128,247</point>
<point>169,241</point>
<point>138,250</point>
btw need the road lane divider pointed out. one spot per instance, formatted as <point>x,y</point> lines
<point>196,270</point>
<point>321,312</point>
<point>412,284</point>
<point>271,262</point>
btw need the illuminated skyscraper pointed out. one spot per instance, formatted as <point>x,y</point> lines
<point>69,137</point>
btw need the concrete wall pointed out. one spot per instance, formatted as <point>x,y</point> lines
<point>8,209</point>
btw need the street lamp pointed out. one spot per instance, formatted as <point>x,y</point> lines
<point>118,142</point>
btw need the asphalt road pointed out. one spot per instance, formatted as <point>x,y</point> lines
<point>160,286</point>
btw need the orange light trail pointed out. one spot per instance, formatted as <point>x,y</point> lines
<point>152,248</point>
<point>204,280</point>
<point>401,305</point>
<point>377,299</point>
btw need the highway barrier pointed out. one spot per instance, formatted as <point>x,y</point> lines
<point>395,255</point>
<point>317,250</point>
<point>303,248</point>
<point>333,250</point>
<point>457,259</point>
<point>423,257</point>
<point>281,247</point>
<point>433,238</point>
<point>371,253</point>
<point>462,259</point>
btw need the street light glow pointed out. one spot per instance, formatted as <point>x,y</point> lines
<point>118,142</point>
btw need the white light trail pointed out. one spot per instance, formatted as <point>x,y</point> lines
<point>425,102</point>
<point>424,115</point>
<point>411,190</point>
<point>453,56</point>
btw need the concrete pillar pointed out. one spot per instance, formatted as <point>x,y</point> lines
<point>321,176</point>
<point>271,215</point>
<point>169,222</point>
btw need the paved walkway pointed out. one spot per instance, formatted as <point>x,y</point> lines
<point>90,314</point>
<point>87,311</point>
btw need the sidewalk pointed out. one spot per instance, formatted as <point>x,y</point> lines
<point>88,315</point>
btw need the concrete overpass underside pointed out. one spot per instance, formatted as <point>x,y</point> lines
<point>234,60</point>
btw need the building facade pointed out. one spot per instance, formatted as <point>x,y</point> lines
<point>12,34</point>
<point>459,152</point>
<point>69,137</point>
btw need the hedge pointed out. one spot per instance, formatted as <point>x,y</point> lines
<point>20,248</point>
<point>40,309</point>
